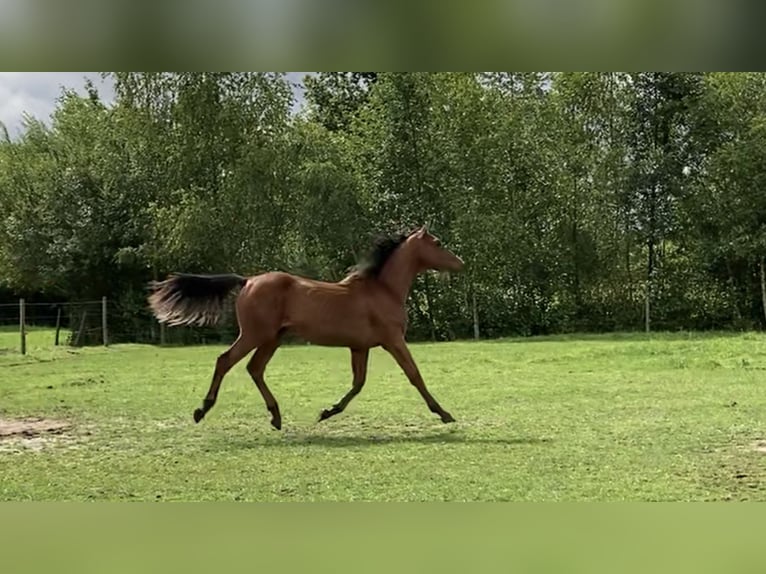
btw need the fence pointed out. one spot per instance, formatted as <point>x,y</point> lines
<point>102,322</point>
<point>82,323</point>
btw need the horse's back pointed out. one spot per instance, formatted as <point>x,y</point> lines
<point>332,314</point>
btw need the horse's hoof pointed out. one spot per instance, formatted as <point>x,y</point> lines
<point>199,414</point>
<point>448,418</point>
<point>325,414</point>
<point>276,423</point>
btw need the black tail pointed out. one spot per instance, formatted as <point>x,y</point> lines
<point>184,299</point>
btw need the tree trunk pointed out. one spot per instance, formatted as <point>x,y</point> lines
<point>646,307</point>
<point>651,255</point>
<point>628,269</point>
<point>430,314</point>
<point>475,315</point>
<point>649,285</point>
<point>763,287</point>
<point>576,253</point>
<point>578,313</point>
<point>733,288</point>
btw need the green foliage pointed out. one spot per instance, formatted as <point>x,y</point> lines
<point>572,197</point>
<point>334,98</point>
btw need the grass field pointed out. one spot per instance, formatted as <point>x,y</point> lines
<point>622,417</point>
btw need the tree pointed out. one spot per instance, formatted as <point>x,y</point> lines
<point>575,199</point>
<point>334,98</point>
<point>728,217</point>
<point>658,145</point>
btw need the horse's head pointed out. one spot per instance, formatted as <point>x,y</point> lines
<point>431,254</point>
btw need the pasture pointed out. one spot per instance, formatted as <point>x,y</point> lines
<point>604,418</point>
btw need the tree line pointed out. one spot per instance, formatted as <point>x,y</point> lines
<point>579,201</point>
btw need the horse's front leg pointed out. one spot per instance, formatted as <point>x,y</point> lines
<point>401,354</point>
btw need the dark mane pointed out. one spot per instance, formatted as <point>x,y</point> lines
<point>382,250</point>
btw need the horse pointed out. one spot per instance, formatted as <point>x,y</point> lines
<point>366,309</point>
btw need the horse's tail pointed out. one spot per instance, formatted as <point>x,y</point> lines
<point>184,299</point>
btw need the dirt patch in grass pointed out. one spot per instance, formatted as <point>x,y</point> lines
<point>31,427</point>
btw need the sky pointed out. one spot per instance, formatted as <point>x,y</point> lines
<point>36,92</point>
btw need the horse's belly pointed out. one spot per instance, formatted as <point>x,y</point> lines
<point>332,336</point>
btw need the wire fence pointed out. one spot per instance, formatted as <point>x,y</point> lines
<point>30,324</point>
<point>61,323</point>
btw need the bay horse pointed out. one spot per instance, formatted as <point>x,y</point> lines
<point>364,310</point>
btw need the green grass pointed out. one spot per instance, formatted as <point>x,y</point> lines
<point>40,346</point>
<point>624,417</point>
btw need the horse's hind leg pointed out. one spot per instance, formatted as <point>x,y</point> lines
<point>256,367</point>
<point>359,368</point>
<point>241,347</point>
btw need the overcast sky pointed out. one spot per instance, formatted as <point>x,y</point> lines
<point>36,92</point>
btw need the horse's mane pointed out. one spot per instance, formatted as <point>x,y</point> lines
<point>382,250</point>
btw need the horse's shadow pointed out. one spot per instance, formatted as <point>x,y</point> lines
<point>288,439</point>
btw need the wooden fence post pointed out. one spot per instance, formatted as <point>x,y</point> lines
<point>22,326</point>
<point>103,321</point>
<point>77,337</point>
<point>58,323</point>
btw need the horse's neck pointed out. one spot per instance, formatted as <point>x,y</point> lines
<point>398,273</point>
